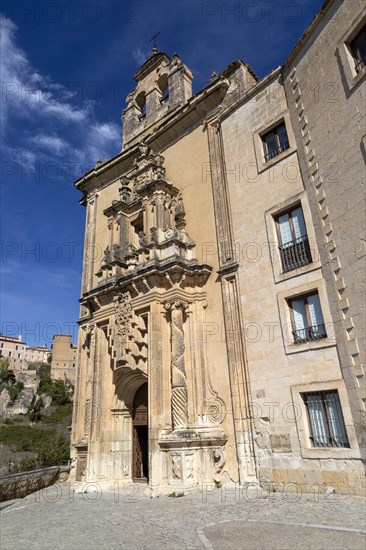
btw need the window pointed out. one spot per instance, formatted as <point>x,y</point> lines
<point>275,142</point>
<point>292,235</point>
<point>325,418</point>
<point>358,49</point>
<point>307,319</point>
<point>16,348</point>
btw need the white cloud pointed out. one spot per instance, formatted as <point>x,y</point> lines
<point>140,56</point>
<point>28,94</point>
<point>25,90</point>
<point>54,144</point>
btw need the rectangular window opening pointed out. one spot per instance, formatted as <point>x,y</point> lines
<point>326,423</point>
<point>358,49</point>
<point>292,235</point>
<point>307,319</point>
<point>275,142</point>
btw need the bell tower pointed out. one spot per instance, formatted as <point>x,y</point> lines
<point>163,84</point>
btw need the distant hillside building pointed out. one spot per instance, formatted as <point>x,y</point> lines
<point>15,350</point>
<point>36,354</point>
<point>63,358</point>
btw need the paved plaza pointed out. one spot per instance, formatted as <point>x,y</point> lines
<point>121,517</point>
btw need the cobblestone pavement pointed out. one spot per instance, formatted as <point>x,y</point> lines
<point>121,517</point>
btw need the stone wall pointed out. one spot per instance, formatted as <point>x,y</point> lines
<point>327,109</point>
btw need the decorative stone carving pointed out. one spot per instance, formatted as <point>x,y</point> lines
<point>116,252</point>
<point>218,459</point>
<point>154,235</point>
<point>123,315</point>
<point>125,191</point>
<point>107,257</point>
<point>142,239</point>
<point>147,168</point>
<point>89,341</point>
<point>176,466</point>
<point>215,409</point>
<point>179,400</point>
<point>189,464</point>
<point>87,417</point>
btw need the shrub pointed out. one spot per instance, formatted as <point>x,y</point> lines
<point>60,414</point>
<point>55,389</point>
<point>36,409</point>
<point>50,449</point>
<point>15,390</point>
<point>7,376</point>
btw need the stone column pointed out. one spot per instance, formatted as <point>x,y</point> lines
<point>179,400</point>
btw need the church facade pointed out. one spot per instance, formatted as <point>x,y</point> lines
<point>221,321</point>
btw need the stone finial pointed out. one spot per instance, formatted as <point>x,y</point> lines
<point>180,214</point>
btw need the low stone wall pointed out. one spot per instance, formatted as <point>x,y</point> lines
<point>22,484</point>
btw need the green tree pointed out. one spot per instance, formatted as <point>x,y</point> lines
<point>7,376</point>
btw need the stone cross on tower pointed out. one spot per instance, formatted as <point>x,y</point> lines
<point>155,48</point>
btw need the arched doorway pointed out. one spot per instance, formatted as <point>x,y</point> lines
<point>140,449</point>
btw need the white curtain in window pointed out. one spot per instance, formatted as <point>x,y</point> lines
<point>285,229</point>
<point>298,223</point>
<point>298,308</point>
<point>317,420</point>
<point>315,311</point>
<point>336,419</point>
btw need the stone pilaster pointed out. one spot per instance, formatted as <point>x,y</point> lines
<point>238,373</point>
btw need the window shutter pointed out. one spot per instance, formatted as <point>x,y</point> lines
<point>285,229</point>
<point>298,308</point>
<point>318,422</point>
<point>315,310</point>
<point>336,419</point>
<point>298,223</point>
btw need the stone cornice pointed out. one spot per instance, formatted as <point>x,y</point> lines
<point>175,271</point>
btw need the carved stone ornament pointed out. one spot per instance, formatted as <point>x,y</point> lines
<point>89,337</point>
<point>147,167</point>
<point>218,460</point>
<point>123,315</point>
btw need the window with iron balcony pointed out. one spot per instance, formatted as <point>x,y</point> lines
<point>358,49</point>
<point>325,418</point>
<point>293,239</point>
<point>307,319</point>
<point>275,142</point>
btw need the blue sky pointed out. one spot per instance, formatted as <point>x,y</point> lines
<point>66,68</point>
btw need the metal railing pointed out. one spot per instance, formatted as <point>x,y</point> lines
<point>309,334</point>
<point>295,254</point>
<point>361,64</point>
<point>277,151</point>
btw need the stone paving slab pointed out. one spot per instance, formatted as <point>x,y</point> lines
<point>121,517</point>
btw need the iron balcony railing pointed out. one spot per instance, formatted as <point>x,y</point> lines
<point>277,151</point>
<point>329,441</point>
<point>295,254</point>
<point>309,334</point>
<point>360,64</point>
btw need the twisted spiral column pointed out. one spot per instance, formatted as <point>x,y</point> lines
<point>179,400</point>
